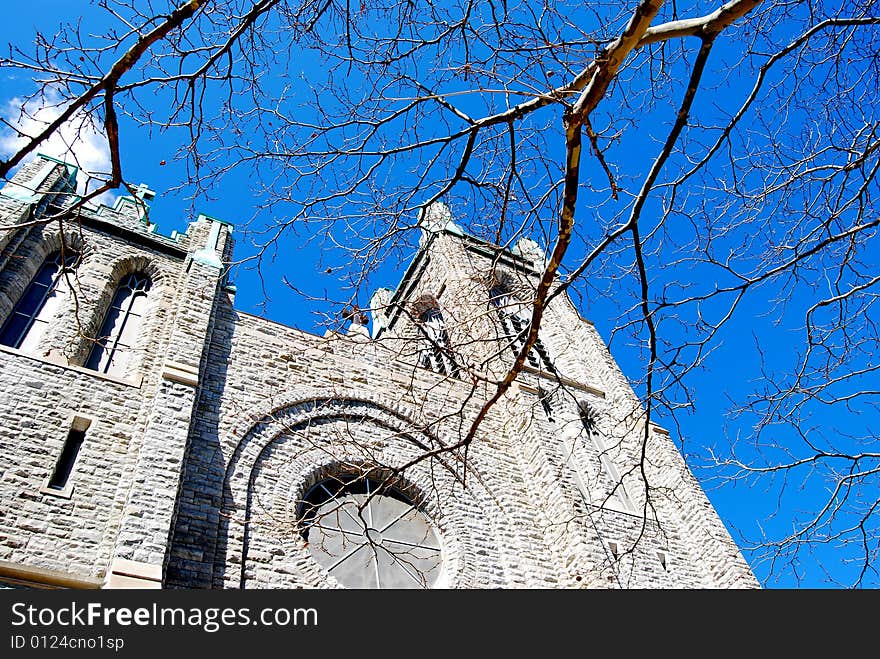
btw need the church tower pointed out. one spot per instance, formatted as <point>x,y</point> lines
<point>104,322</point>
<point>156,436</point>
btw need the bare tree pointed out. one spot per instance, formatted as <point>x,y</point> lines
<point>699,165</point>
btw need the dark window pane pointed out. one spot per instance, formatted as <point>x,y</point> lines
<point>121,325</point>
<point>94,360</point>
<point>66,460</point>
<point>33,299</point>
<point>32,303</point>
<point>14,330</point>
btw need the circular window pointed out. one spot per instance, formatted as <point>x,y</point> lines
<point>368,534</point>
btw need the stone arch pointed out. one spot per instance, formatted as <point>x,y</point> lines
<point>423,303</point>
<point>149,334</point>
<point>54,239</point>
<point>519,287</point>
<point>285,451</point>
<point>138,263</point>
<point>19,272</point>
<point>408,328</point>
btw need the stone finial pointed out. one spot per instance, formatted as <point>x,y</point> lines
<point>136,205</point>
<point>131,206</point>
<point>530,251</point>
<point>379,308</point>
<point>143,192</point>
<point>435,218</point>
<point>211,253</point>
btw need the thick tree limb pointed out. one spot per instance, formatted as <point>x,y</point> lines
<point>702,26</point>
<point>108,83</point>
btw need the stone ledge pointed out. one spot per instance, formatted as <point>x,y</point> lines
<point>55,360</point>
<point>181,373</point>
<point>560,379</point>
<point>38,577</point>
<point>62,493</point>
<point>128,574</point>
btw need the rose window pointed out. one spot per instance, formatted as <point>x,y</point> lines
<point>369,534</point>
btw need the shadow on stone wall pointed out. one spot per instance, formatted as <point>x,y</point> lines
<point>194,542</point>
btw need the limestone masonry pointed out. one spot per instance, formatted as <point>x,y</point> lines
<point>151,435</point>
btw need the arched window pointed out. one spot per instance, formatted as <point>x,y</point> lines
<point>120,329</point>
<point>28,321</point>
<point>435,352</point>
<point>608,466</point>
<point>515,324</point>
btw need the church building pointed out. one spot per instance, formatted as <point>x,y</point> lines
<point>154,436</point>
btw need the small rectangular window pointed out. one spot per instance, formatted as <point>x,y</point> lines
<point>60,478</point>
<point>614,548</point>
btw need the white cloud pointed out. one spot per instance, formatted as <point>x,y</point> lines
<point>76,142</point>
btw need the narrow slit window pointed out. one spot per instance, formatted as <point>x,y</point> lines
<point>119,331</point>
<point>664,560</point>
<point>546,404</point>
<point>516,328</point>
<point>60,477</point>
<point>29,319</point>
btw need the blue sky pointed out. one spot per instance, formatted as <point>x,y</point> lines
<point>729,373</point>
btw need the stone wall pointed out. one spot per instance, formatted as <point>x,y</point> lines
<point>45,391</point>
<point>532,506</point>
<point>196,460</point>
